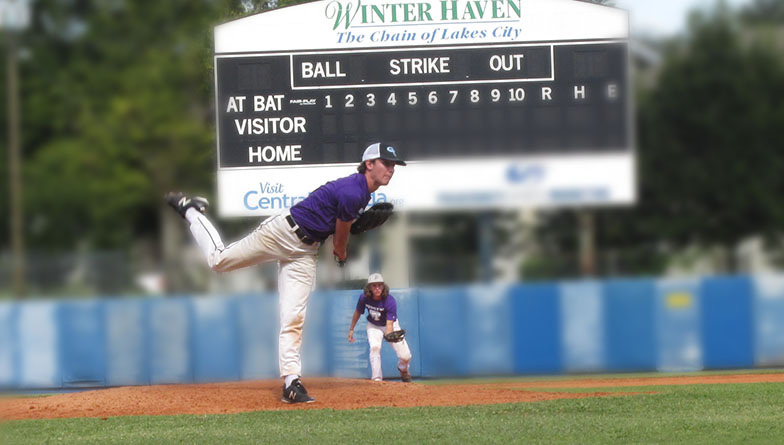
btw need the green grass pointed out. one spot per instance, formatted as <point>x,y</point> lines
<point>749,413</point>
<point>628,375</point>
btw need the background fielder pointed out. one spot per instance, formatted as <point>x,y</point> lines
<point>382,319</point>
<point>293,239</point>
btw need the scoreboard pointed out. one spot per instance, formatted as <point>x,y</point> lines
<point>435,103</point>
<point>506,123</point>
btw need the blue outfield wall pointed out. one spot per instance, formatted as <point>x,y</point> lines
<point>535,324</point>
<point>678,327</point>
<point>488,330</point>
<point>768,315</point>
<point>629,325</point>
<point>727,326</point>
<point>544,328</point>
<point>443,336</point>
<point>81,337</point>
<point>581,326</point>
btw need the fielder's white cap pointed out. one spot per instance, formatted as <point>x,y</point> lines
<point>375,278</point>
<point>381,150</point>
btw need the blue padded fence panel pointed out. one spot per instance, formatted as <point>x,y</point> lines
<point>82,339</point>
<point>7,345</point>
<point>582,326</point>
<point>768,303</point>
<point>348,359</point>
<point>443,343</point>
<point>623,325</point>
<point>127,358</point>
<point>630,325</point>
<point>257,334</point>
<point>169,341</point>
<point>491,345</point>
<point>537,331</point>
<point>315,343</point>
<point>215,352</point>
<point>38,365</point>
<point>408,314</point>
<point>726,322</point>
<point>679,339</point>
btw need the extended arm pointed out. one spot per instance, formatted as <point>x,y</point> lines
<point>340,239</point>
<point>354,320</point>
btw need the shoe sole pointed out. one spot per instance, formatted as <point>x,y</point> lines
<point>284,400</point>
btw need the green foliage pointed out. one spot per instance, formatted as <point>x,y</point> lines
<point>71,182</point>
<point>710,169</point>
<point>764,12</point>
<point>672,414</point>
<point>709,156</point>
<point>117,108</point>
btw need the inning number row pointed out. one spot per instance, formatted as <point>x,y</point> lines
<point>412,98</point>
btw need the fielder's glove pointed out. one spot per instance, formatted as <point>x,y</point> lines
<point>372,218</point>
<point>395,336</point>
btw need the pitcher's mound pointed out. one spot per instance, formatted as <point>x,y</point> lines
<point>235,397</point>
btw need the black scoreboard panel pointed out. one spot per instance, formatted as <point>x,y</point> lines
<point>435,103</point>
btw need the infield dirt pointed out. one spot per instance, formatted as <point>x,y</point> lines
<point>339,394</point>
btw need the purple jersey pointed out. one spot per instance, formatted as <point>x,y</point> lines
<point>379,311</point>
<point>342,198</point>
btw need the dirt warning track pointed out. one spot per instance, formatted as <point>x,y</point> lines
<point>236,397</point>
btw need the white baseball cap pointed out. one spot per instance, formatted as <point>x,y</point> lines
<point>381,150</point>
<point>375,278</point>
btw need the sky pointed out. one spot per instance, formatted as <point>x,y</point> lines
<point>663,18</point>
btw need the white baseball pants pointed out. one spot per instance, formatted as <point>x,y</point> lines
<point>375,335</point>
<point>273,240</point>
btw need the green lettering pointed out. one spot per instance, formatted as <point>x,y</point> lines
<point>408,12</point>
<point>515,5</point>
<point>379,12</point>
<point>479,8</point>
<point>335,9</point>
<point>424,11</point>
<point>469,11</point>
<point>448,6</point>
<point>497,13</point>
<point>394,11</point>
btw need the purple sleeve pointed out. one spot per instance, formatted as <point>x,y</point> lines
<point>391,308</point>
<point>361,304</point>
<point>349,205</point>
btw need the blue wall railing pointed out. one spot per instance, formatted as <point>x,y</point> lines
<point>544,328</point>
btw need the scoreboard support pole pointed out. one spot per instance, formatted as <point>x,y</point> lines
<point>486,220</point>
<point>15,167</point>
<point>586,236</point>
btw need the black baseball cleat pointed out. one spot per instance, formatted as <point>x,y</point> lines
<point>182,203</point>
<point>406,376</point>
<point>296,393</point>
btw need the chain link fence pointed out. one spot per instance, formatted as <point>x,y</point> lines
<point>71,274</point>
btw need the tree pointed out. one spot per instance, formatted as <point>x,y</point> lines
<point>709,155</point>
<point>708,133</point>
<point>117,102</point>
<point>764,12</point>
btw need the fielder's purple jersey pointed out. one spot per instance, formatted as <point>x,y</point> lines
<point>342,198</point>
<point>379,311</point>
